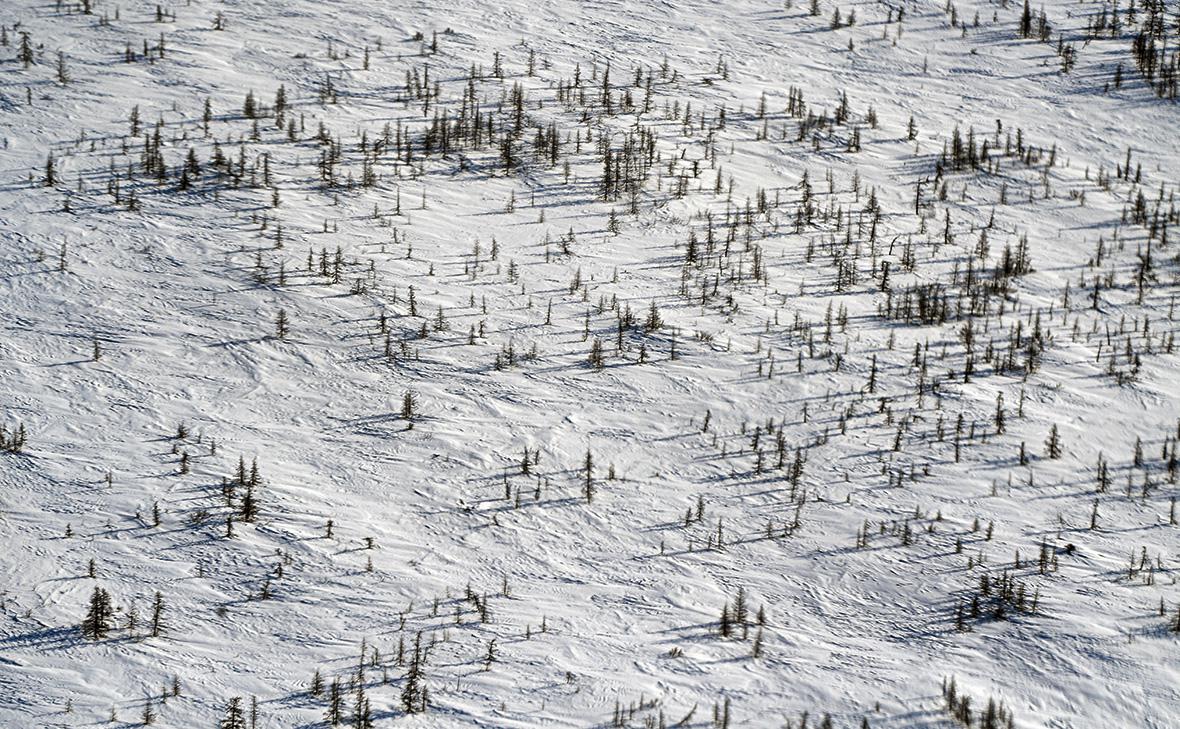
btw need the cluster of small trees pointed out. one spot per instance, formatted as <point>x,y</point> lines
<point>13,441</point>
<point>958,704</point>
<point>736,621</point>
<point>99,620</point>
<point>995,599</point>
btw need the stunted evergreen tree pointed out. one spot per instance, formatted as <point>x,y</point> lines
<point>362,714</point>
<point>1053,443</point>
<point>281,327</point>
<point>588,477</point>
<point>654,321</point>
<point>248,509</point>
<point>147,716</point>
<point>99,616</point>
<point>409,408</point>
<point>596,358</point>
<point>490,657</point>
<point>414,695</point>
<point>25,54</point>
<point>63,73</point>
<point>335,711</point>
<point>158,615</point>
<point>235,716</point>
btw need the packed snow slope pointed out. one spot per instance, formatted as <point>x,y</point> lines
<point>593,363</point>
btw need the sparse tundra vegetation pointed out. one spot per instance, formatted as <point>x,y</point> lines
<point>799,363</point>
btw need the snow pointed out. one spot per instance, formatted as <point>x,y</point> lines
<point>630,596</point>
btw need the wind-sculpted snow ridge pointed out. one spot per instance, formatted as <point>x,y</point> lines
<point>589,364</point>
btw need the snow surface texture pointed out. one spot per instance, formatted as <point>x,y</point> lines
<point>603,611</point>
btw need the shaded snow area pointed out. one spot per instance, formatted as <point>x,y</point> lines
<point>589,364</point>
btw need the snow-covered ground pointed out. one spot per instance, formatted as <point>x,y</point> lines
<point>771,430</point>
